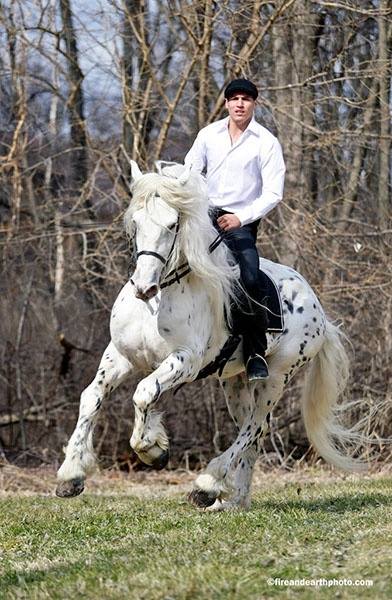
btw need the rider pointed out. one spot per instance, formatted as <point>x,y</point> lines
<point>245,176</point>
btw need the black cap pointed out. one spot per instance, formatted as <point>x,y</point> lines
<point>241,85</point>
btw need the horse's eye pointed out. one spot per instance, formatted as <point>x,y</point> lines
<point>171,227</point>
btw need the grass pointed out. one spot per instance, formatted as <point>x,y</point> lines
<point>143,541</point>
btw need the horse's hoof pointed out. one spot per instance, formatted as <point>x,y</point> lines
<point>201,498</point>
<point>68,489</point>
<point>160,463</point>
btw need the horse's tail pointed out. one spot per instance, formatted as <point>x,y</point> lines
<point>325,382</point>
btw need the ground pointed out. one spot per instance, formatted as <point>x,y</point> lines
<point>135,537</point>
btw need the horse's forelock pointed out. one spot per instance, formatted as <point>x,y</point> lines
<point>186,198</point>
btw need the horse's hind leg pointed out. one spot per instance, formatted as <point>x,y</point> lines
<point>79,454</point>
<point>223,473</point>
<point>239,398</point>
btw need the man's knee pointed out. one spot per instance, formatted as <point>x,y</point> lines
<point>251,282</point>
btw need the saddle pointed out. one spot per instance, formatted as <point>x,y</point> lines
<point>273,305</point>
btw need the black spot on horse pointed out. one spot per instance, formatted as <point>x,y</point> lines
<point>295,294</point>
<point>300,309</point>
<point>289,305</point>
<point>285,331</point>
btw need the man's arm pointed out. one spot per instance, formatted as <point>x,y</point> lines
<point>272,171</point>
<point>196,156</point>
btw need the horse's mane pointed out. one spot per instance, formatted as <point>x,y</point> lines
<point>196,232</point>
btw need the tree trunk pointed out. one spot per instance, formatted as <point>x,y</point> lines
<point>293,48</point>
<point>137,83</point>
<point>75,103</point>
<point>384,56</point>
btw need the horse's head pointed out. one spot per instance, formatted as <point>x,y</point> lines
<point>155,223</point>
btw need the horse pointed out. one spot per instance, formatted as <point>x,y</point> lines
<point>172,318</point>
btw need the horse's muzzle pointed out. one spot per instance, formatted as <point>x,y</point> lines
<point>145,293</point>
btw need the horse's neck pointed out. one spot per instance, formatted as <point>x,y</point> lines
<point>190,299</point>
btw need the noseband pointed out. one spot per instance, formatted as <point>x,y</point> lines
<point>156,254</point>
<point>151,253</point>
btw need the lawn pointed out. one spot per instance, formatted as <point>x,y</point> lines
<point>136,538</point>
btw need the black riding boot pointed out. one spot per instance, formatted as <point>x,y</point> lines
<point>254,356</point>
<point>253,329</point>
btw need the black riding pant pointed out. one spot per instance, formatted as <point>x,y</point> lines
<point>249,318</point>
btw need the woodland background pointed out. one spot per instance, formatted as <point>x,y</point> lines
<point>85,85</point>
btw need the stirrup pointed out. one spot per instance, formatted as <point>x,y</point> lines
<point>256,368</point>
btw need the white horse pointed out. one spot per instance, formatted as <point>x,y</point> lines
<point>168,322</point>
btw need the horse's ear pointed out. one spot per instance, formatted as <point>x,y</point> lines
<point>183,178</point>
<point>136,172</point>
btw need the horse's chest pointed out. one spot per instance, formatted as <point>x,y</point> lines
<point>134,331</point>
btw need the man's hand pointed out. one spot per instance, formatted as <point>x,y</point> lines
<point>228,221</point>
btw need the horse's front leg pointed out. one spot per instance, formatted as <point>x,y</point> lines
<point>79,454</point>
<point>149,438</point>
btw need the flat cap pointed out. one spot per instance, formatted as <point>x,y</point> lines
<point>241,85</point>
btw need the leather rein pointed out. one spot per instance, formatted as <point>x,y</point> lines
<point>177,274</point>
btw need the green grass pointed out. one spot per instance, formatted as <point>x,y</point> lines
<point>146,548</point>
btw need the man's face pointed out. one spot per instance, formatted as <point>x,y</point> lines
<point>240,107</point>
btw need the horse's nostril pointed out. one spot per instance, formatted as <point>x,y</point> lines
<point>152,291</point>
<point>146,294</point>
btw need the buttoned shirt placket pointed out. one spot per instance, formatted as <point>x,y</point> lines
<point>224,161</point>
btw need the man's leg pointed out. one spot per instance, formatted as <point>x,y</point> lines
<point>254,320</point>
<point>250,318</point>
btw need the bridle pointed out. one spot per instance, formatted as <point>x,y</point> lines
<point>156,254</point>
<point>179,272</point>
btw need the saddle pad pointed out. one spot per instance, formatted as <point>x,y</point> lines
<point>273,304</point>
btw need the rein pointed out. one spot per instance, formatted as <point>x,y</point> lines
<point>178,273</point>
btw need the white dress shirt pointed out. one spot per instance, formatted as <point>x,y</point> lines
<point>245,178</point>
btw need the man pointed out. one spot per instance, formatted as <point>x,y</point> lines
<point>245,176</point>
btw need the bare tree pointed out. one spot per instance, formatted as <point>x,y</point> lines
<point>75,102</point>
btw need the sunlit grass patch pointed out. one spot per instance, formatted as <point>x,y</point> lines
<point>130,546</point>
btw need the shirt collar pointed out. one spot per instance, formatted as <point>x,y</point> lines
<point>252,127</point>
